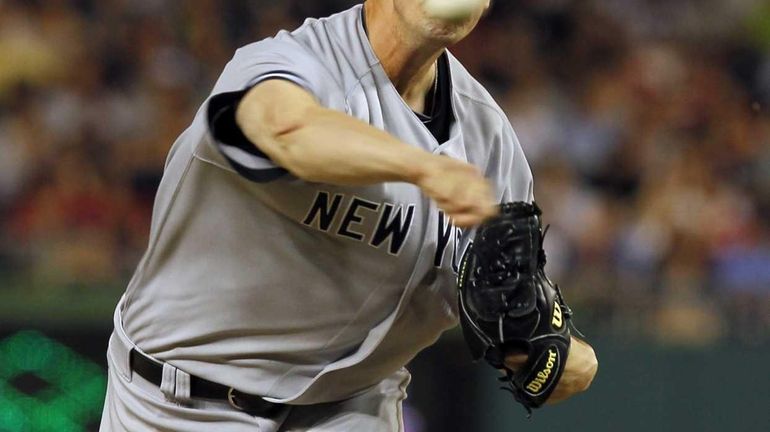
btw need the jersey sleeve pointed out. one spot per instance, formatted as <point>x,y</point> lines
<point>251,65</point>
<point>514,178</point>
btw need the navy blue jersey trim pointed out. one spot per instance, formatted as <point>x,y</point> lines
<point>225,131</point>
<point>259,175</point>
<point>222,124</point>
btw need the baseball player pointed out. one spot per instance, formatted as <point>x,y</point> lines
<point>307,232</point>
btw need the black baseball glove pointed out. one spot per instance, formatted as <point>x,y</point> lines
<point>508,305</point>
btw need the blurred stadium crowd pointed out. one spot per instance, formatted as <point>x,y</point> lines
<point>647,124</point>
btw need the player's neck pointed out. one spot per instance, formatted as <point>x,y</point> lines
<point>409,63</point>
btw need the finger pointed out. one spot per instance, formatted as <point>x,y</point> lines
<point>470,195</point>
<point>478,188</point>
<point>488,210</point>
<point>456,209</point>
<point>516,361</point>
<point>454,203</point>
<point>466,220</point>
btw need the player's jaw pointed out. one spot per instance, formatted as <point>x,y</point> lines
<point>436,30</point>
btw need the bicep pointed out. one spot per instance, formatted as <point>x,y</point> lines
<point>274,108</point>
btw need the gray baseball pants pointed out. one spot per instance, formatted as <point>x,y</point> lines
<point>133,404</point>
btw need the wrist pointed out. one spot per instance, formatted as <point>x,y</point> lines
<point>418,166</point>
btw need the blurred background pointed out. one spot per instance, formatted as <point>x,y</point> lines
<point>647,124</point>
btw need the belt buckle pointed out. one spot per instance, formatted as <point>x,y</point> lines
<point>231,400</point>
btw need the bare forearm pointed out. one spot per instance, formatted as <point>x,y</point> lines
<point>331,147</point>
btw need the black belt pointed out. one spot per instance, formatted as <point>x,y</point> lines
<point>152,371</point>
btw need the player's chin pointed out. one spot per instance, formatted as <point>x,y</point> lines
<point>448,32</point>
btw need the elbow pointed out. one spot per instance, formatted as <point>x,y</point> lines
<point>280,141</point>
<point>301,168</point>
<point>292,152</point>
<point>294,146</point>
<point>279,124</point>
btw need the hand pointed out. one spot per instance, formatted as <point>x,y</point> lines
<point>578,374</point>
<point>459,189</point>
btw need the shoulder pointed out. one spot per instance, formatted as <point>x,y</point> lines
<point>329,45</point>
<point>491,136</point>
<point>322,38</point>
<point>324,35</point>
<point>474,100</point>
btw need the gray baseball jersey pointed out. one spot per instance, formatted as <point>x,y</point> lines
<point>307,293</point>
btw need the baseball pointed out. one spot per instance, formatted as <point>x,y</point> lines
<point>452,9</point>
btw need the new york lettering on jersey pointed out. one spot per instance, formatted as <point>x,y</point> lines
<point>394,223</point>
